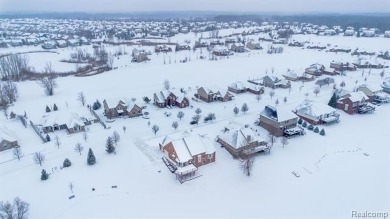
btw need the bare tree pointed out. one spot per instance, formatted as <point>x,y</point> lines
<point>316,91</point>
<point>236,110</point>
<point>246,165</point>
<point>13,66</point>
<point>85,136</point>
<point>57,141</point>
<point>271,138</point>
<point>284,141</point>
<point>79,148</point>
<point>198,111</point>
<point>167,85</point>
<point>48,84</point>
<point>48,69</point>
<point>285,99</point>
<point>39,158</point>
<point>116,137</point>
<point>272,94</point>
<point>71,187</point>
<point>8,92</point>
<point>175,125</point>
<point>18,210</point>
<point>81,98</point>
<point>17,152</point>
<point>258,97</point>
<point>155,129</point>
<point>180,115</point>
<point>110,61</point>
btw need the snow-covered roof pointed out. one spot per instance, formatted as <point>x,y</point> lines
<point>386,83</point>
<point>314,108</point>
<point>238,85</point>
<point>61,117</point>
<point>189,145</point>
<point>278,114</point>
<point>6,135</point>
<point>356,96</point>
<point>238,138</point>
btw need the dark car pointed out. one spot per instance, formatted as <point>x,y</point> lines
<point>193,122</point>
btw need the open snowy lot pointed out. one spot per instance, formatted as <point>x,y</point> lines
<point>346,170</point>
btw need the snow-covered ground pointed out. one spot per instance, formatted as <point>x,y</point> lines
<point>336,177</point>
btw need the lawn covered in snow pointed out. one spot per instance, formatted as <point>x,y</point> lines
<point>336,177</point>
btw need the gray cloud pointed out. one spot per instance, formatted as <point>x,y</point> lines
<point>204,5</point>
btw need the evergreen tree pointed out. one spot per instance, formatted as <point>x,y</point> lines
<point>91,160</point>
<point>110,148</point>
<point>304,124</point>
<point>47,137</point>
<point>244,108</point>
<point>333,101</point>
<point>55,108</point>
<point>44,175</point>
<point>96,105</point>
<point>300,121</point>
<point>236,110</point>
<point>322,132</point>
<point>311,127</point>
<point>316,130</point>
<point>48,109</point>
<point>66,163</point>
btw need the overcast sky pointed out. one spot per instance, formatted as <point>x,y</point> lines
<point>202,5</point>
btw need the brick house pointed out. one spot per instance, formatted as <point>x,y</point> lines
<point>277,120</point>
<point>208,95</point>
<point>188,152</point>
<point>7,139</point>
<point>355,102</point>
<point>316,113</point>
<point>274,82</point>
<point>315,69</point>
<point>237,87</point>
<point>370,91</point>
<point>163,99</point>
<point>386,85</point>
<point>114,109</point>
<point>242,142</point>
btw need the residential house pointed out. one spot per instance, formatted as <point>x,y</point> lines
<point>208,95</point>
<point>237,87</point>
<point>163,48</point>
<point>49,45</point>
<point>242,142</point>
<point>316,113</point>
<point>237,47</point>
<point>386,85</point>
<point>275,82</point>
<point>7,139</point>
<point>139,55</point>
<point>342,66</point>
<point>360,63</point>
<point>187,153</point>
<point>252,45</point>
<point>163,99</point>
<point>63,120</point>
<point>293,76</point>
<point>255,89</point>
<point>370,91</point>
<point>114,109</point>
<point>221,51</point>
<point>315,69</point>
<point>278,121</point>
<point>355,102</point>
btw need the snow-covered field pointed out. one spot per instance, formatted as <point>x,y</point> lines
<point>336,177</point>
